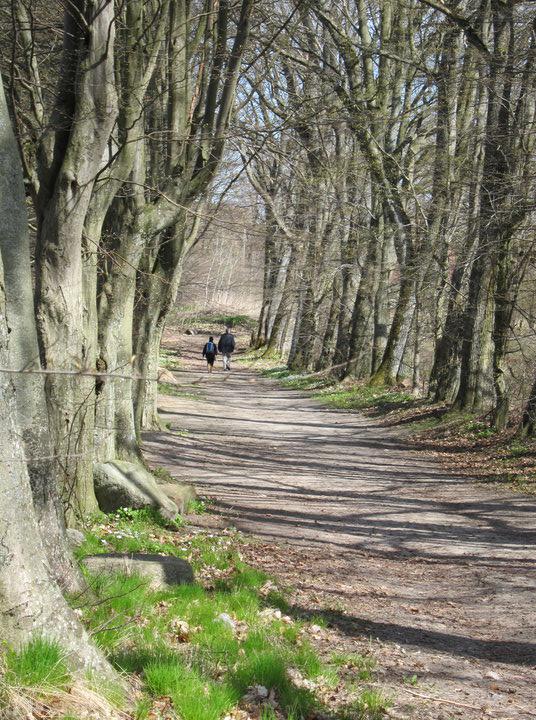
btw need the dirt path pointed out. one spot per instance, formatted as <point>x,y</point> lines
<point>433,575</point>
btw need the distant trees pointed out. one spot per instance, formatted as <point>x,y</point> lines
<point>411,130</point>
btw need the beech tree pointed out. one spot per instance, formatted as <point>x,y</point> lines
<point>34,561</point>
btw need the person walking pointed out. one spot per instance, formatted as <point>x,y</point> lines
<point>209,352</point>
<point>226,346</point>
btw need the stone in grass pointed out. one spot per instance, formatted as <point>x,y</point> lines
<point>163,571</point>
<point>180,493</point>
<point>123,484</point>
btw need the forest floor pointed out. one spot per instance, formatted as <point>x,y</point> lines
<point>431,573</point>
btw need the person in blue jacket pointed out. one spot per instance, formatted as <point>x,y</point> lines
<point>209,353</point>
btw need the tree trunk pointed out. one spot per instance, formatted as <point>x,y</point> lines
<point>381,309</point>
<point>263,331</point>
<point>31,602</point>
<point>528,423</point>
<point>386,372</point>
<point>64,202</point>
<point>403,348</point>
<point>342,337</point>
<point>116,311</point>
<point>329,341</point>
<point>282,313</point>
<point>359,348</point>
<point>444,377</point>
<point>158,290</point>
<point>475,381</point>
<point>490,266</point>
<point>32,415</point>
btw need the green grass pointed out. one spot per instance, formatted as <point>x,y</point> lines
<point>206,677</point>
<point>162,473</point>
<point>169,359</point>
<point>363,666</point>
<point>341,396</point>
<point>204,647</point>
<point>371,705</point>
<point>308,382</point>
<point>145,531</point>
<point>40,664</point>
<point>479,429</point>
<point>361,397</point>
<point>517,449</point>
<point>194,696</point>
<point>438,418</point>
<point>277,373</point>
<point>200,648</point>
<point>315,381</point>
<point>196,506</point>
<point>176,391</point>
<point>260,359</point>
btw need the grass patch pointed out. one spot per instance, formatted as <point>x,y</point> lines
<point>260,359</point>
<point>194,696</point>
<point>342,396</point>
<point>200,649</point>
<point>175,391</point>
<point>40,664</point>
<point>277,373</point>
<point>196,506</point>
<point>371,705</point>
<point>517,449</point>
<point>308,382</point>
<point>163,474</point>
<point>363,666</point>
<point>361,397</point>
<point>169,359</point>
<point>145,531</point>
<point>479,429</point>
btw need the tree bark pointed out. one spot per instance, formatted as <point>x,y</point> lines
<point>87,110</point>
<point>32,414</point>
<point>31,602</point>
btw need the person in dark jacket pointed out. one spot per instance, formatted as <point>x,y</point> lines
<point>209,352</point>
<point>226,346</point>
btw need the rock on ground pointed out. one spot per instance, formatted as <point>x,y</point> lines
<point>163,571</point>
<point>166,376</point>
<point>180,493</point>
<point>124,484</point>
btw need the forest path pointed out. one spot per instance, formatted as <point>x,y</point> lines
<point>437,572</point>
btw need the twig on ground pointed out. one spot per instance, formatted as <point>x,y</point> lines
<point>460,704</point>
<point>441,700</point>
